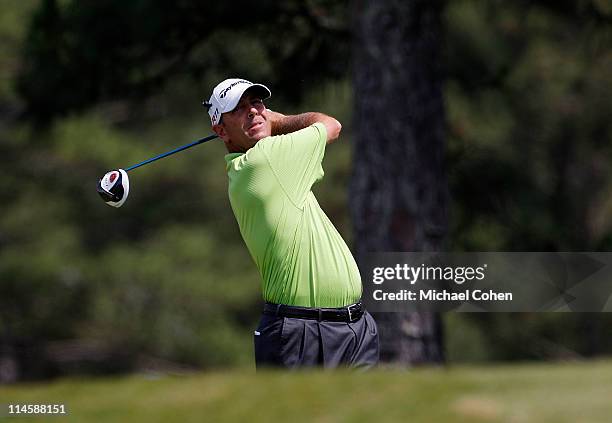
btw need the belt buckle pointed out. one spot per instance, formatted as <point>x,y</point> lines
<point>350,312</point>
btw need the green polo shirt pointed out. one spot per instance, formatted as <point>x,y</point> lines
<point>301,257</point>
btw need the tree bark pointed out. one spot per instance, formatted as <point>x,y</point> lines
<point>399,190</point>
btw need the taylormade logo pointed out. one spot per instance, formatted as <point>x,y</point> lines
<point>232,85</point>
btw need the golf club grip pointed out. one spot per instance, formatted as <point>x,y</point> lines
<point>176,150</point>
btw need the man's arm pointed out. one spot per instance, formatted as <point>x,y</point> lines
<point>282,124</point>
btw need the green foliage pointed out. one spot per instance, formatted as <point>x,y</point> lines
<point>163,298</point>
<point>529,156</point>
<point>529,129</point>
<point>113,49</point>
<point>14,13</point>
<point>465,342</point>
<point>526,336</point>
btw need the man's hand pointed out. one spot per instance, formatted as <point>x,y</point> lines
<point>282,124</point>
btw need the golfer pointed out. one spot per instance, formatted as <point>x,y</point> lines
<point>310,281</point>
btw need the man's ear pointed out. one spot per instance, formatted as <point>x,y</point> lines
<point>219,129</point>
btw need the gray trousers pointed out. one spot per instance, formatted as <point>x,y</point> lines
<point>293,343</point>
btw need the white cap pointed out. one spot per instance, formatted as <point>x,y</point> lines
<point>227,94</point>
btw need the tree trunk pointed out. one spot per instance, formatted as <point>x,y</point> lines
<point>399,189</point>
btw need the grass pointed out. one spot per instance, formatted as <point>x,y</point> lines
<point>574,392</point>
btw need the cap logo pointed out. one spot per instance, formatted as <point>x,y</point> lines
<point>232,85</point>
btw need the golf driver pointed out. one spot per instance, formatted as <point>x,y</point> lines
<point>114,186</point>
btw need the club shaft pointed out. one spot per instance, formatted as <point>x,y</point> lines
<point>176,150</point>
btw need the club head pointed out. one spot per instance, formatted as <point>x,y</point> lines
<point>114,187</point>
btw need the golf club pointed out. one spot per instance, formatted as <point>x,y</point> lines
<point>114,186</point>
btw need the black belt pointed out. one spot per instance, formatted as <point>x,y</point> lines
<point>348,314</point>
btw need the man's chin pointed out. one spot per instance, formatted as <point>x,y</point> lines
<point>259,135</point>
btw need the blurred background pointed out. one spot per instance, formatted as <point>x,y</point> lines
<point>491,118</point>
